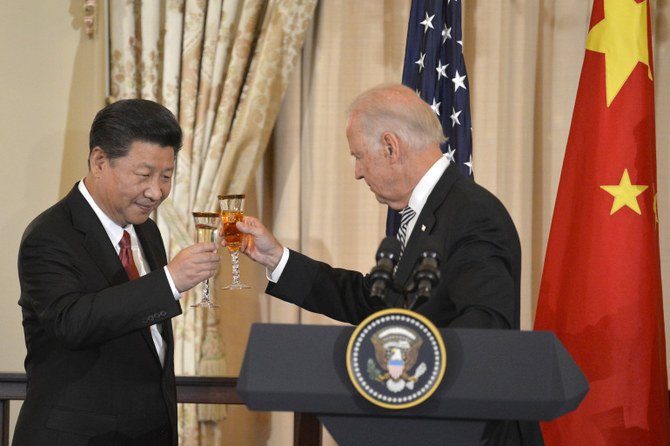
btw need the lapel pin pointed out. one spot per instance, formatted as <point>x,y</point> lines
<point>423,228</point>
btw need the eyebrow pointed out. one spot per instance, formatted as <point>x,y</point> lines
<point>153,168</point>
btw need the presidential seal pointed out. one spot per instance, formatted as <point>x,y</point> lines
<point>396,358</point>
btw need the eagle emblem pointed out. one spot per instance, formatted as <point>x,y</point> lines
<point>396,358</point>
<point>396,352</point>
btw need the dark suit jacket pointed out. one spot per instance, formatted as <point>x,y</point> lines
<point>480,270</point>
<point>94,377</point>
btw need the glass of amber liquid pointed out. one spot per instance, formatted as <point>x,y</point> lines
<point>206,227</point>
<point>232,211</point>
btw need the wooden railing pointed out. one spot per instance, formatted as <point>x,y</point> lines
<point>190,389</point>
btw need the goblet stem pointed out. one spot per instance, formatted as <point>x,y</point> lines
<point>205,290</point>
<point>236,267</point>
<point>205,301</point>
<point>207,227</point>
<point>236,283</point>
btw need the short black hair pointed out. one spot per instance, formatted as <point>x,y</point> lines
<point>123,122</point>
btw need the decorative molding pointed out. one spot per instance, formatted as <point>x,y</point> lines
<point>89,16</point>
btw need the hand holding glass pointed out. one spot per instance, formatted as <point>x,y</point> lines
<point>232,211</point>
<point>206,226</point>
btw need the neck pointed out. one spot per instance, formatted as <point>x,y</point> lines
<point>413,166</point>
<point>419,164</point>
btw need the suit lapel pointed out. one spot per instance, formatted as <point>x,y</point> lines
<point>153,257</point>
<point>420,239</point>
<point>96,241</point>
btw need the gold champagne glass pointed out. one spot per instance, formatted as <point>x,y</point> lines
<point>232,211</point>
<point>206,227</point>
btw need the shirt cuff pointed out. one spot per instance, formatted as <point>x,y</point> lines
<point>273,276</point>
<point>175,292</point>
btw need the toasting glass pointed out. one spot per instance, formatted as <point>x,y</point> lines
<point>232,211</point>
<point>206,227</point>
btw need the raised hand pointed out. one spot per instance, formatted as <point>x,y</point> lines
<point>193,264</point>
<point>259,244</point>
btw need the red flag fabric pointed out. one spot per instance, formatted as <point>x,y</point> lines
<point>601,284</point>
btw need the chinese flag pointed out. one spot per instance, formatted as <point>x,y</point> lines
<point>601,284</point>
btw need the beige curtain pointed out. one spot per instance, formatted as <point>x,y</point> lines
<point>222,67</point>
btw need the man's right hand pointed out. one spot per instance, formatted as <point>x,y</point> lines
<point>259,243</point>
<point>193,264</point>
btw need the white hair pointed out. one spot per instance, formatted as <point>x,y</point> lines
<point>397,109</point>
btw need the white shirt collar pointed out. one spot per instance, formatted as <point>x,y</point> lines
<point>424,188</point>
<point>427,183</point>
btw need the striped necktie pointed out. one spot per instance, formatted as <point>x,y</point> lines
<point>406,216</point>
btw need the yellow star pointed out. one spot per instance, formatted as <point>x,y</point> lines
<point>622,37</point>
<point>625,194</point>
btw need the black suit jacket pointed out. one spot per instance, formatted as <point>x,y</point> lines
<point>94,377</point>
<point>480,271</point>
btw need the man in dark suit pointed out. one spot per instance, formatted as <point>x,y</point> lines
<point>395,140</point>
<point>98,295</point>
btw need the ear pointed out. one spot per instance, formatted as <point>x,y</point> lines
<point>391,145</point>
<point>97,160</point>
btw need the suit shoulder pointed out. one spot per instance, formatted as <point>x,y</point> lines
<point>470,204</point>
<point>53,220</point>
<point>476,195</point>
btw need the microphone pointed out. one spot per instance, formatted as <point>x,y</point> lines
<point>381,275</point>
<point>426,274</point>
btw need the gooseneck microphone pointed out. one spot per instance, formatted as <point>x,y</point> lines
<point>426,273</point>
<point>381,275</point>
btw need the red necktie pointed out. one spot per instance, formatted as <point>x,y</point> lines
<point>126,256</point>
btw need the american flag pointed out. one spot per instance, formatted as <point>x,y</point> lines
<point>435,68</point>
